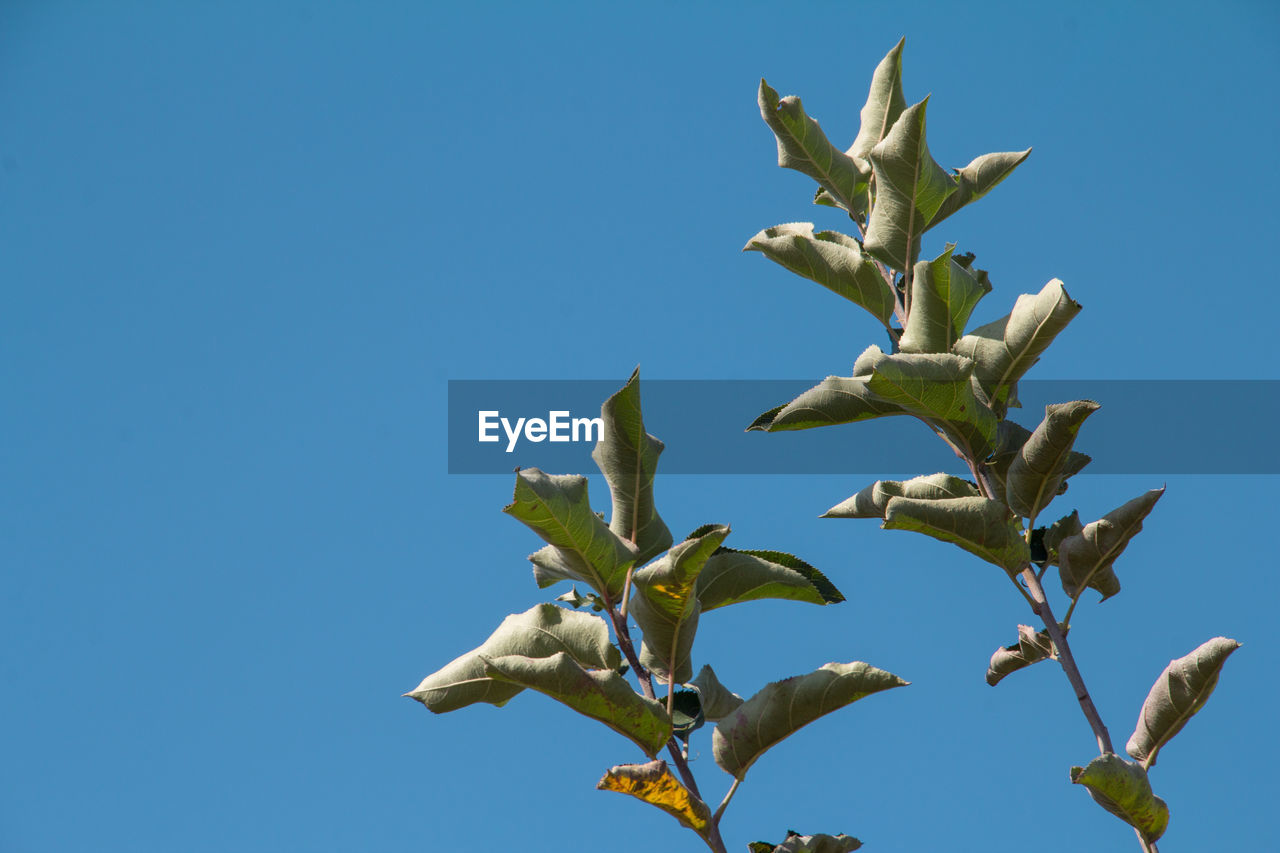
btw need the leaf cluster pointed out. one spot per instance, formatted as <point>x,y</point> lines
<point>632,570</point>
<point>961,383</point>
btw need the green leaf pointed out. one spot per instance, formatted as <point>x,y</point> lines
<point>733,576</point>
<point>583,548</point>
<point>1006,349</point>
<point>1084,560</point>
<point>832,259</point>
<point>836,400</point>
<point>1010,438</point>
<point>654,784</point>
<point>784,707</point>
<point>603,695</point>
<point>804,147</point>
<point>1032,647</point>
<point>665,604</point>
<point>977,179</point>
<point>910,188</point>
<point>943,295</point>
<point>718,701</point>
<point>937,387</point>
<point>1040,467</point>
<point>1177,696</point>
<point>539,632</point>
<point>885,102</point>
<point>872,501</point>
<point>1122,788</point>
<point>797,843</point>
<point>980,526</point>
<point>628,457</point>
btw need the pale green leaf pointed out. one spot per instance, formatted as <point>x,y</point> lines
<point>1010,437</point>
<point>943,295</point>
<point>665,604</point>
<point>1122,788</point>
<point>804,147</point>
<point>872,501</point>
<point>1041,464</point>
<point>885,102</point>
<point>732,576</point>
<point>628,457</point>
<point>1032,647</point>
<point>540,631</point>
<point>1178,695</point>
<point>837,400</point>
<point>603,695</point>
<point>1068,525</point>
<point>910,188</point>
<point>1084,560</point>
<point>784,707</point>
<point>979,178</point>
<point>832,259</point>
<point>718,701</point>
<point>937,387</point>
<point>583,548</point>
<point>980,526</point>
<point>656,785</point>
<point>1006,349</point>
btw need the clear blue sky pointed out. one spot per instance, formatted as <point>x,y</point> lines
<point>244,246</point>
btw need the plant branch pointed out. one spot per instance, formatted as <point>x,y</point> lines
<point>1045,612</point>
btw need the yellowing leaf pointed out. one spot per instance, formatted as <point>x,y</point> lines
<point>655,784</point>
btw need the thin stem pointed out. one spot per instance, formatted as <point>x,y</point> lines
<point>724,804</point>
<point>1147,846</point>
<point>1045,612</point>
<point>626,593</point>
<point>1040,604</point>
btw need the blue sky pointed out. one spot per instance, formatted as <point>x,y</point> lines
<point>245,246</point>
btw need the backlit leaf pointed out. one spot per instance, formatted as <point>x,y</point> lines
<point>943,295</point>
<point>872,501</point>
<point>910,188</point>
<point>804,147</point>
<point>980,526</point>
<point>784,707</point>
<point>885,102</point>
<point>1041,464</point>
<point>603,695</point>
<point>1122,788</point>
<point>832,259</point>
<point>733,576</point>
<point>540,631</point>
<point>1178,695</point>
<point>937,387</point>
<point>583,548</point>
<point>628,457</point>
<point>837,400</point>
<point>1085,559</point>
<point>979,178</point>
<point>665,604</point>
<point>655,784</point>
<point>1006,349</point>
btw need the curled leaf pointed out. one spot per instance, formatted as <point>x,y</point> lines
<point>797,843</point>
<point>784,707</point>
<point>718,701</point>
<point>980,526</point>
<point>1122,788</point>
<point>804,147</point>
<point>1085,559</point>
<point>1032,647</point>
<point>872,501</point>
<point>1045,459</point>
<point>541,631</point>
<point>603,695</point>
<point>656,785</point>
<point>1178,695</point>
